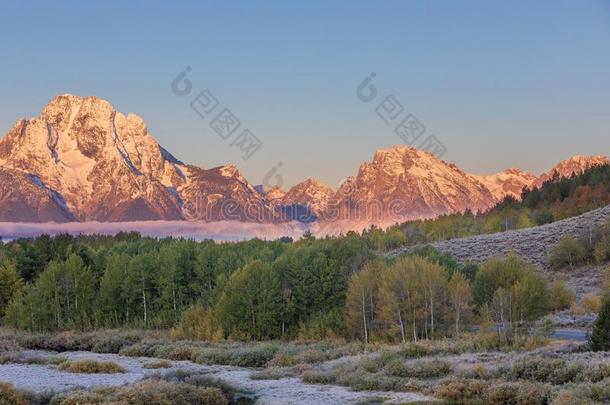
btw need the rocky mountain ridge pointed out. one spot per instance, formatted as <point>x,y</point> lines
<point>81,160</point>
<point>101,165</point>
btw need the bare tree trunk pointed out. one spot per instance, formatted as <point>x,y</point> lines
<point>174,295</point>
<point>431,314</point>
<point>57,320</point>
<point>366,333</point>
<point>144,302</point>
<point>426,327</point>
<point>414,329</point>
<point>510,310</point>
<point>402,326</point>
<point>76,293</point>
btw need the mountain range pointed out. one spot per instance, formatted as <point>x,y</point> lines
<point>81,160</point>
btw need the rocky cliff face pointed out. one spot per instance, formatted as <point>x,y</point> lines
<point>24,198</point>
<point>311,193</point>
<point>105,166</point>
<point>403,183</point>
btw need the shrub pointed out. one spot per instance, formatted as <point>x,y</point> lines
<point>601,250</point>
<point>256,356</point>
<point>104,341</point>
<point>567,252</point>
<point>141,349</point>
<point>372,364</point>
<point>461,391</point>
<point>420,369</point>
<point>114,342</point>
<point>157,364</point>
<point>283,359</point>
<point>599,392</point>
<point>248,356</point>
<point>326,325</point>
<point>600,335</point>
<point>10,396</point>
<point>414,350</point>
<point>560,296</point>
<point>361,381</point>
<point>197,378</point>
<point>595,373</point>
<point>479,371</point>
<point>80,398</point>
<point>591,302</point>
<point>464,391</point>
<point>197,323</point>
<point>517,393</point>
<point>313,356</point>
<point>214,356</point>
<point>177,351</point>
<point>318,377</point>
<point>162,392</point>
<point>571,398</point>
<point>271,374</point>
<point>91,367</point>
<point>8,345</point>
<point>555,371</point>
<point>25,358</point>
<point>180,387</point>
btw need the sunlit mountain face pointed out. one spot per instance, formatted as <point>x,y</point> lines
<point>83,161</point>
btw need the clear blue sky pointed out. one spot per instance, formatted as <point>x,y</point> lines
<point>502,84</point>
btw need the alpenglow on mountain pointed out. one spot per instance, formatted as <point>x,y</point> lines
<point>81,160</point>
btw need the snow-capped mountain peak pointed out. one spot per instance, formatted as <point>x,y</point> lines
<point>312,193</point>
<point>403,183</point>
<point>81,160</point>
<point>509,182</point>
<point>107,167</point>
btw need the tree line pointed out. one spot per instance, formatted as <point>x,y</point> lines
<point>264,289</point>
<point>257,290</point>
<point>421,297</point>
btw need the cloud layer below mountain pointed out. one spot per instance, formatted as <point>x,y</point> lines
<point>220,231</point>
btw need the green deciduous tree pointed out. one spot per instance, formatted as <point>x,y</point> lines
<point>114,299</point>
<point>560,297</point>
<point>569,251</point>
<point>531,298</point>
<point>362,300</point>
<point>10,283</point>
<point>250,305</point>
<point>460,299</point>
<point>497,273</point>
<point>512,290</point>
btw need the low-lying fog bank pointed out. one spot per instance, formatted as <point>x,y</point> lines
<point>221,231</point>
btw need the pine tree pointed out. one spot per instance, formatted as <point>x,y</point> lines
<point>600,336</point>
